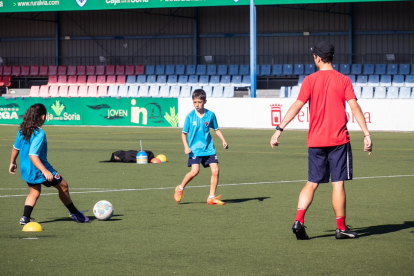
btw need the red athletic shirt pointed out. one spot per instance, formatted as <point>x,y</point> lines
<point>327,91</point>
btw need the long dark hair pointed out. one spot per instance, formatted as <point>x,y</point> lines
<point>32,120</point>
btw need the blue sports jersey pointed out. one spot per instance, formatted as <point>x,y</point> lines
<point>198,133</point>
<point>36,146</point>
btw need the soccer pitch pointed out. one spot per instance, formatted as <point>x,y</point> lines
<point>150,234</point>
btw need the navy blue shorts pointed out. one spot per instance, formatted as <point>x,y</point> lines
<point>57,179</point>
<point>335,162</point>
<point>203,160</point>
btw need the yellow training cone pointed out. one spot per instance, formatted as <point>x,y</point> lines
<point>32,227</point>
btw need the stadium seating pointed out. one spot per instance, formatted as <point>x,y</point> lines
<point>409,81</point>
<point>398,80</point>
<point>80,70</point>
<point>123,91</point>
<point>81,80</point>
<point>392,92</point>
<point>54,91</point>
<point>143,91</point>
<point>287,70</point>
<point>82,92</point>
<point>113,91</point>
<point>233,69</point>
<point>169,70</point>
<point>180,69</point>
<point>358,91</point>
<point>93,91</point>
<point>215,80</point>
<point>392,69</point>
<point>217,92</point>
<point>34,70</point>
<point>352,78</point>
<point>100,70</point>
<point>141,79</point>
<point>34,91</point>
<point>154,91</point>
<point>225,80</point>
<point>385,80</point>
<point>160,69</point>
<point>73,91</point>
<point>405,93</point>
<point>61,70</point>
<point>52,70</point>
<point>90,70</point>
<point>367,92</point>
<point>190,70</point>
<point>161,80</point>
<point>63,91</point>
<point>368,69</point>
<point>222,70</point>
<point>164,91</point>
<point>244,70</point>
<point>193,80</point>
<point>71,70</point>
<point>110,70</point>
<point>362,80</point>
<point>265,70</point>
<point>373,80</point>
<point>356,69</point>
<point>44,91</point>
<point>284,92</point>
<point>139,69</point>
<point>294,91</point>
<point>129,70</point>
<point>380,69</point>
<point>91,80</point>
<point>298,69</point>
<point>301,79</point>
<point>131,80</point>
<point>201,69</point>
<point>175,91</point>
<point>211,70</point>
<point>236,81</point>
<point>246,81</point>
<point>172,80</point>
<point>185,91</point>
<point>345,69</point>
<point>404,69</point>
<point>204,80</point>
<point>335,66</point>
<point>208,90</point>
<point>182,80</point>
<point>15,71</point>
<point>309,68</point>
<point>277,70</point>
<point>228,92</point>
<point>380,92</point>
<point>133,91</point>
<point>102,90</point>
<point>120,70</point>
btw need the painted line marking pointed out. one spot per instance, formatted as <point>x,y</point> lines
<point>97,190</point>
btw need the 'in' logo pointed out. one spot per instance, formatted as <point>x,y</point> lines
<point>81,3</point>
<point>276,114</point>
<point>57,108</point>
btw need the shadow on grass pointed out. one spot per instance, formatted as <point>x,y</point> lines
<point>375,230</point>
<point>230,201</point>
<point>91,218</point>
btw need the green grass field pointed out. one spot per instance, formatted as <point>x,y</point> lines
<point>150,234</point>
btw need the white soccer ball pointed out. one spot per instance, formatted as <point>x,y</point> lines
<point>103,210</point>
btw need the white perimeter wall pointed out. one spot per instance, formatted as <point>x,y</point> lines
<point>380,114</point>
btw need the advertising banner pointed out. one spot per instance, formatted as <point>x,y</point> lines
<point>151,112</point>
<point>78,5</point>
<point>266,113</point>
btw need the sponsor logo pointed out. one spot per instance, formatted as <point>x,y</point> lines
<point>206,124</point>
<point>235,1</point>
<point>1,4</point>
<point>57,176</point>
<point>194,123</point>
<point>115,2</point>
<point>81,3</point>
<point>276,114</point>
<point>172,118</point>
<point>58,108</point>
<point>138,112</point>
<point>8,113</point>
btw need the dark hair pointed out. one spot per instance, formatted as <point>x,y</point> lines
<point>327,59</point>
<point>32,120</point>
<point>199,94</point>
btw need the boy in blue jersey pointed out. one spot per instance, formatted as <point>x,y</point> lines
<point>200,147</point>
<point>31,145</point>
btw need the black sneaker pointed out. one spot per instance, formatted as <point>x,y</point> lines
<point>299,230</point>
<point>346,234</point>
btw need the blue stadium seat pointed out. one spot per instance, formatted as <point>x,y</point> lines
<point>233,69</point>
<point>228,92</point>
<point>284,92</point>
<point>265,70</point>
<point>193,80</point>
<point>131,80</point>
<point>335,66</point>
<point>162,79</point>
<point>170,69</point>
<point>149,69</point>
<point>165,91</point>
<point>398,80</point>
<point>236,81</point>
<point>180,69</point>
<point>208,90</point>
<point>172,80</point>
<point>225,80</point>
<point>404,69</point>
<point>367,92</point>
<point>392,92</point>
<point>160,69</point>
<point>357,91</point>
<point>244,70</point>
<point>182,80</point>
<point>368,69</point>
<point>345,68</point>
<point>258,69</point>
<point>298,69</point>
<point>409,81</point>
<point>246,81</point>
<point>190,70</point>
<point>185,91</point>
<point>154,91</point>
<point>217,92</point>
<point>211,69</point>
<point>143,91</point>
<point>405,93</point>
<point>412,69</point>
<point>141,79</point>
<point>362,80</point>
<point>113,91</point>
<point>309,68</point>
<point>373,80</point>
<point>301,79</point>
<point>380,69</point>
<point>287,70</point>
<point>215,80</point>
<point>222,69</point>
<point>123,91</point>
<point>133,91</point>
<point>356,69</point>
<point>380,92</point>
<point>294,92</point>
<point>392,69</point>
<point>385,80</point>
<point>151,79</point>
<point>175,91</point>
<point>204,80</point>
<point>201,69</point>
<point>277,69</point>
<point>352,78</point>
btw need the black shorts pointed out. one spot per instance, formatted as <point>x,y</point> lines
<point>335,162</point>
<point>203,160</point>
<point>57,179</point>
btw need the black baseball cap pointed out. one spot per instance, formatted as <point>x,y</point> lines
<point>323,49</point>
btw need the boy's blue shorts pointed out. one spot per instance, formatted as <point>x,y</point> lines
<point>56,180</point>
<point>335,162</point>
<point>203,160</point>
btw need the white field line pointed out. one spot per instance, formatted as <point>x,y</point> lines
<point>103,190</point>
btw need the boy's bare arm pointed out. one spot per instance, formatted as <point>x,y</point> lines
<point>187,149</point>
<point>220,135</point>
<point>13,157</point>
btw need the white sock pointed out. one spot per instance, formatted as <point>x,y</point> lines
<point>213,196</point>
<point>182,189</point>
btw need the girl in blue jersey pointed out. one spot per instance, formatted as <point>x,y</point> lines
<point>199,146</point>
<point>31,144</point>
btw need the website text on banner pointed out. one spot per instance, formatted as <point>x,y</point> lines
<point>266,113</point>
<point>96,111</point>
<point>78,5</point>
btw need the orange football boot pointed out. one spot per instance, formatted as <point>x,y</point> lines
<point>178,194</point>
<point>215,201</point>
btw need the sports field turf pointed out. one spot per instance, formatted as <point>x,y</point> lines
<point>150,234</point>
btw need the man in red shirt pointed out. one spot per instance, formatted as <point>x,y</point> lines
<point>329,148</point>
